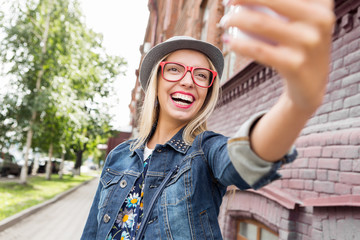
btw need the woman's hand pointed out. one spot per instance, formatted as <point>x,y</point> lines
<point>298,46</point>
<point>301,53</point>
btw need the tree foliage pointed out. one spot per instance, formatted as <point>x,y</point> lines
<point>59,72</point>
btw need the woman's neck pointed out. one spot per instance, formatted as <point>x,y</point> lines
<point>164,131</point>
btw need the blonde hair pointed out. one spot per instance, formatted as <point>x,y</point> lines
<point>150,110</point>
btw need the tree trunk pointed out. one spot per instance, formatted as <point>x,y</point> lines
<point>61,171</point>
<point>35,166</point>
<point>76,172</point>
<point>49,163</point>
<point>78,162</point>
<point>24,169</point>
<point>29,135</point>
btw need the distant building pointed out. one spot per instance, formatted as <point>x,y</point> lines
<point>114,141</point>
<point>318,196</point>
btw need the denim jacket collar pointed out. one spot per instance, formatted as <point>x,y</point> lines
<point>176,142</point>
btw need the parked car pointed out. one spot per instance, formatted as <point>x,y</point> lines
<point>55,165</point>
<point>8,165</point>
<point>30,164</point>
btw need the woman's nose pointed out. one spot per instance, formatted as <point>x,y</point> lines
<point>187,80</point>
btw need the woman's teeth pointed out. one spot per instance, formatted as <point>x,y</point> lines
<point>182,99</point>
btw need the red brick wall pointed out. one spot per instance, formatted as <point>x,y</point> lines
<point>329,152</point>
<point>328,165</point>
<point>227,118</point>
<point>335,223</point>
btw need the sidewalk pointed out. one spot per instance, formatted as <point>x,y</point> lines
<point>61,220</point>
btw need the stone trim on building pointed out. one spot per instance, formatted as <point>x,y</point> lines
<point>250,77</point>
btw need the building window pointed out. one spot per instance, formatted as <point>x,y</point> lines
<point>230,57</point>
<point>230,60</point>
<point>252,230</point>
<point>205,19</point>
<point>233,62</point>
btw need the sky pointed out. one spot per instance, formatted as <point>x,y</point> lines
<point>123,24</point>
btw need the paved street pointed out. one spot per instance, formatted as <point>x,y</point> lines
<point>62,220</point>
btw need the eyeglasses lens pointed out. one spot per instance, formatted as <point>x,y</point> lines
<point>175,72</point>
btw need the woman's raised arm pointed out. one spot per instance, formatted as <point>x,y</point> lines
<point>299,49</point>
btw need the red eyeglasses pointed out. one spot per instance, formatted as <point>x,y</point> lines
<point>173,72</point>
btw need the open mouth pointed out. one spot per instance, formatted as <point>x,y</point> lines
<point>182,99</point>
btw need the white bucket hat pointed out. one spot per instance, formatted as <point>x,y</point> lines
<point>176,43</point>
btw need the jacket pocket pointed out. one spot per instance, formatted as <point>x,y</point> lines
<point>179,186</point>
<point>205,225</point>
<point>109,182</point>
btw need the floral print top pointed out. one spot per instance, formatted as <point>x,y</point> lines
<point>131,212</point>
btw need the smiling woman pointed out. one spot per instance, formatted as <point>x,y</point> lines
<point>181,170</point>
<point>175,108</point>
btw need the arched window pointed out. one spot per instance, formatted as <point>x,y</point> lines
<point>253,230</point>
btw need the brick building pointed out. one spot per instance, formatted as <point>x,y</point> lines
<point>116,140</point>
<point>318,196</point>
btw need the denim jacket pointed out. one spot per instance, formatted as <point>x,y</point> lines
<point>188,206</point>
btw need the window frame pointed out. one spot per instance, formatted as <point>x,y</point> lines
<point>234,62</point>
<point>205,15</point>
<point>258,230</point>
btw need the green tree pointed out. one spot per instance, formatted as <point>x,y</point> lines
<point>8,123</point>
<point>55,121</point>
<point>47,47</point>
<point>25,47</point>
<point>94,131</point>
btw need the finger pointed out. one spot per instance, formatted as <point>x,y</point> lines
<point>298,10</point>
<point>326,3</point>
<point>275,29</point>
<point>276,56</point>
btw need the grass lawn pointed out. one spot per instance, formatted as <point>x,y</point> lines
<point>15,197</point>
